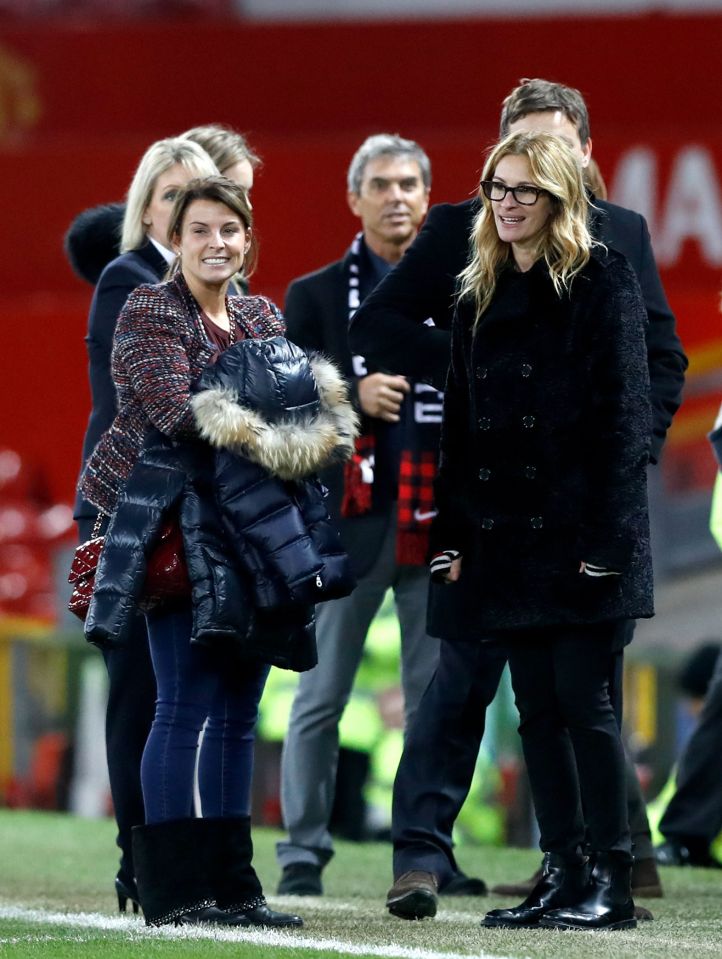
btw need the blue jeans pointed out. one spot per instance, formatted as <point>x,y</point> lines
<point>197,685</point>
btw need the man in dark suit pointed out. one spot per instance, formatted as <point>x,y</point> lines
<point>392,330</point>
<point>381,500</point>
<point>693,817</point>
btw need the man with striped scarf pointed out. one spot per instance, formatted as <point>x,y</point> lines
<point>382,499</point>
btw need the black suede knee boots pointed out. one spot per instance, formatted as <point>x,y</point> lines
<point>172,869</point>
<point>199,871</point>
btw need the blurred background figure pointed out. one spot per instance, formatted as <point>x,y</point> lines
<point>230,151</point>
<point>693,819</point>
<point>693,683</point>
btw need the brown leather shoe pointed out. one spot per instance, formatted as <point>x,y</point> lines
<point>413,895</point>
<point>646,883</point>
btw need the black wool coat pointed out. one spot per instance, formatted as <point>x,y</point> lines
<point>544,451</point>
<point>390,328</point>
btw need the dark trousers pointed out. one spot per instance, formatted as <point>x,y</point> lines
<point>694,814</point>
<point>440,751</point>
<point>441,748</point>
<point>197,686</point>
<point>128,717</point>
<point>570,736</point>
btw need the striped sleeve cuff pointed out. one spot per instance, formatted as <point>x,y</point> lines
<point>441,564</point>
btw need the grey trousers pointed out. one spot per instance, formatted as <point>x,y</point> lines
<point>310,752</point>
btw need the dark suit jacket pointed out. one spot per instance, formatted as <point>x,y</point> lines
<point>316,313</point>
<point>119,278</point>
<point>389,329</point>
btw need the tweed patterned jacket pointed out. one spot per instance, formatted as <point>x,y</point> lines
<point>160,349</point>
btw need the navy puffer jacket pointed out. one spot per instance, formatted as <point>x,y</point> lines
<point>259,545</point>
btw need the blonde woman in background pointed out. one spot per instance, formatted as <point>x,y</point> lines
<point>165,167</point>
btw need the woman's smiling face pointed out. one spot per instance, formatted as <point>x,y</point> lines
<point>213,243</point>
<point>516,223</point>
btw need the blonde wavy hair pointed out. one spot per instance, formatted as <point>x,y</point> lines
<point>566,242</point>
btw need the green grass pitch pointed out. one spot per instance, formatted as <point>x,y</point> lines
<point>56,900</point>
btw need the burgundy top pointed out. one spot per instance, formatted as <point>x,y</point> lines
<point>217,336</point>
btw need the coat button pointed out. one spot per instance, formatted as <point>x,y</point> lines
<point>484,473</point>
<point>487,523</point>
<point>528,422</point>
<point>484,423</point>
<point>530,472</point>
<point>536,522</point>
<point>526,369</point>
<point>481,372</point>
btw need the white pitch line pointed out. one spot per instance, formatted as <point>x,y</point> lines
<point>261,937</point>
<point>342,907</point>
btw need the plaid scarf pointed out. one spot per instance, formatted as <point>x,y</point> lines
<point>421,414</point>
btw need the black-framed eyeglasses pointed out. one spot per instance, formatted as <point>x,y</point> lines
<point>524,195</point>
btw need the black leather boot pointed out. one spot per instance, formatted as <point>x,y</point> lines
<point>562,883</point>
<point>171,869</point>
<point>607,902</point>
<point>238,891</point>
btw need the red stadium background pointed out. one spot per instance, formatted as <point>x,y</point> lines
<point>80,102</point>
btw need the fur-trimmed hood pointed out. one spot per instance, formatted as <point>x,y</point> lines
<point>272,403</point>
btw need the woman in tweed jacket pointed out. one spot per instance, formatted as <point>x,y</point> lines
<point>189,869</point>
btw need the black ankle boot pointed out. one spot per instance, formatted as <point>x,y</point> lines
<point>607,902</point>
<point>561,884</point>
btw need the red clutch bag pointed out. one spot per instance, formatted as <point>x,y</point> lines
<point>166,575</point>
<point>82,575</point>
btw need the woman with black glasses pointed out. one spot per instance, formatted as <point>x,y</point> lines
<point>542,505</point>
